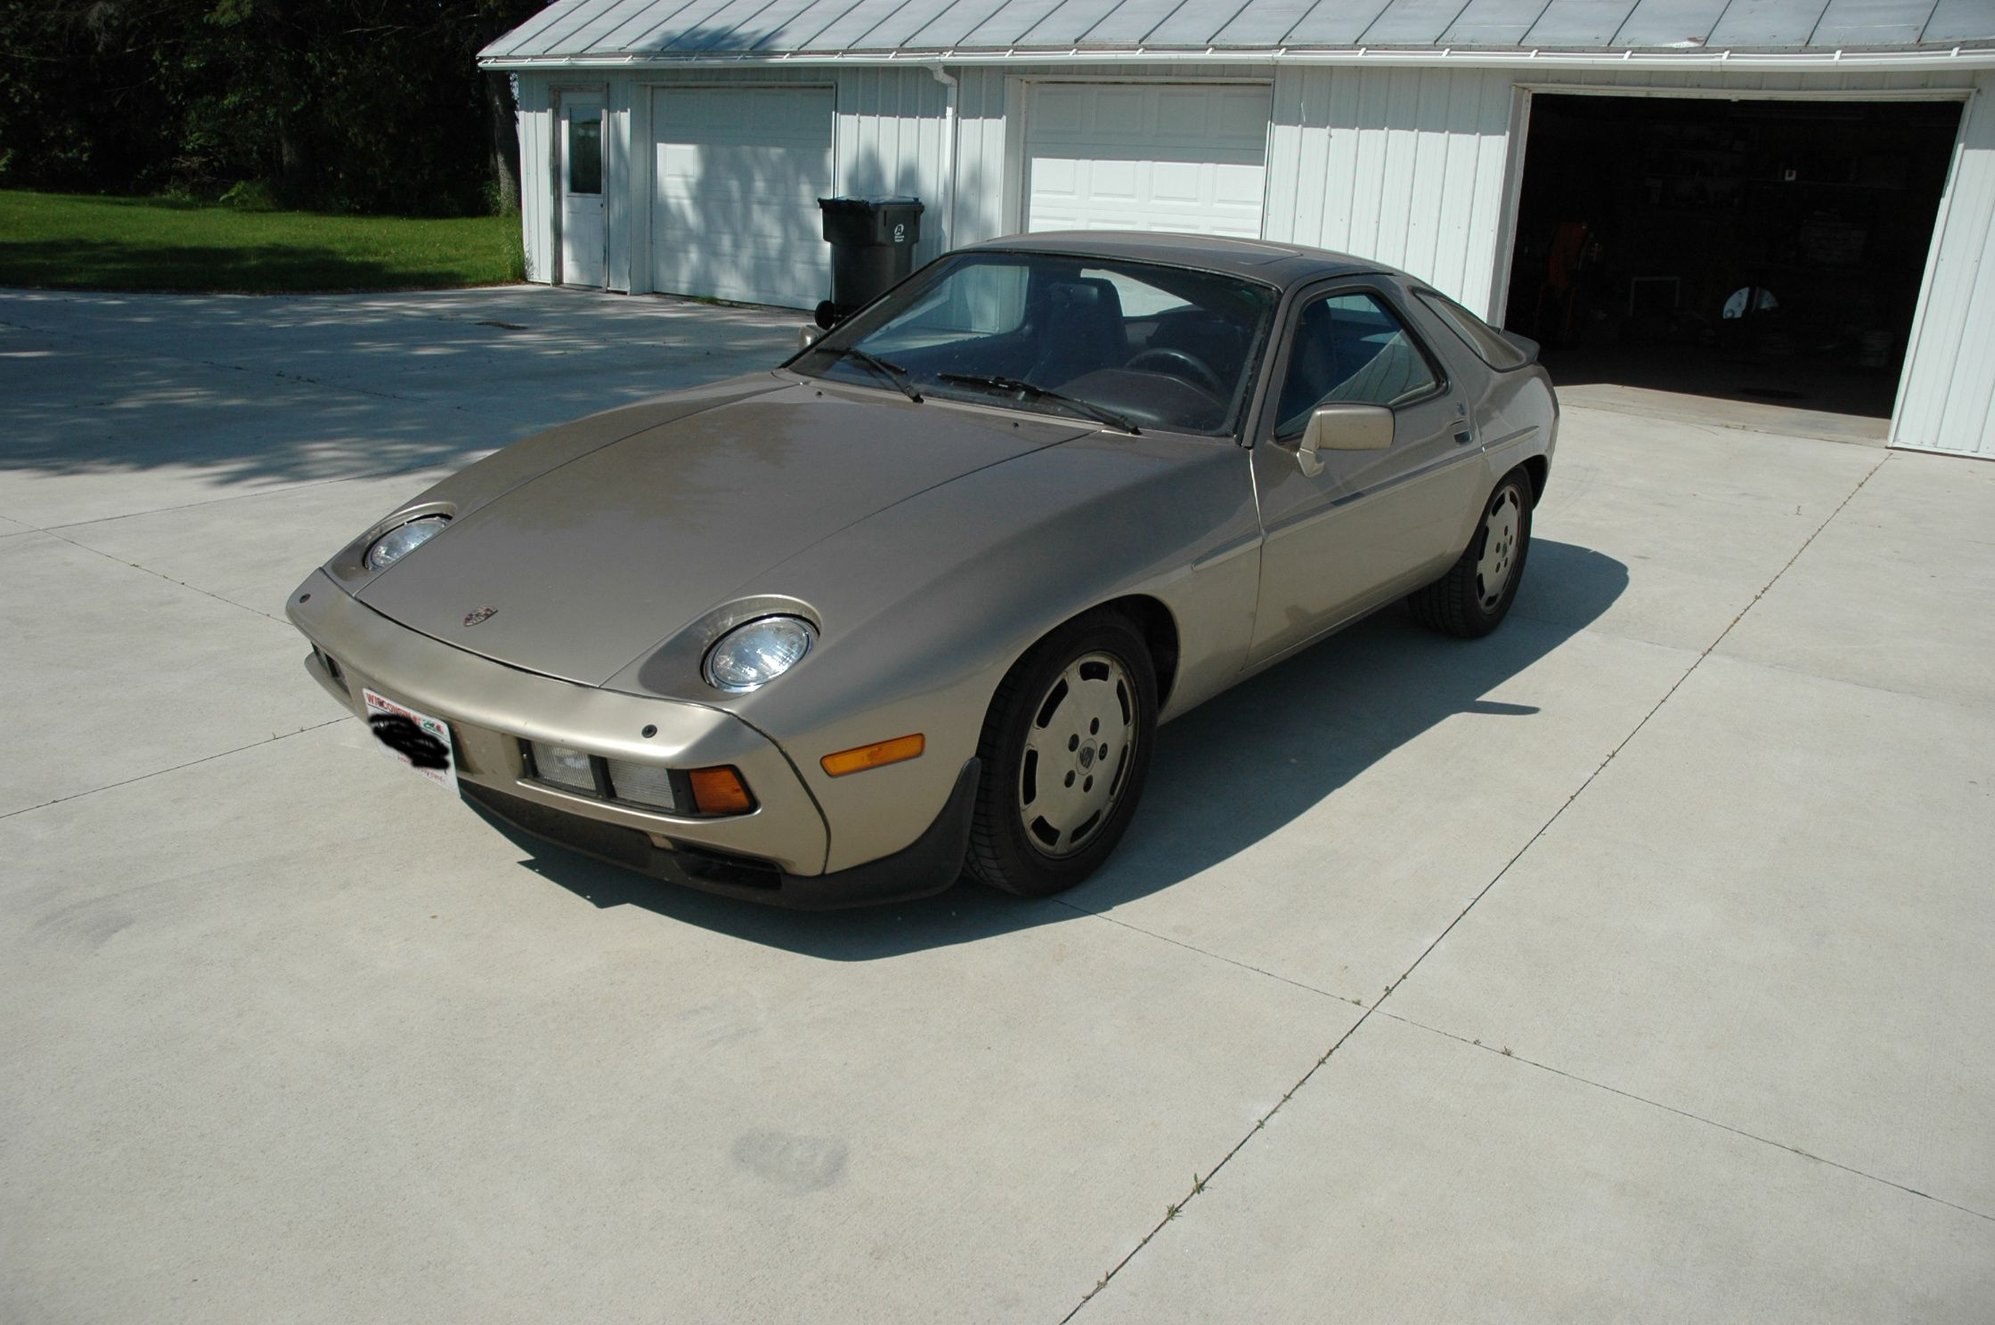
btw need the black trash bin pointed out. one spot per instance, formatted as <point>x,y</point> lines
<point>872,249</point>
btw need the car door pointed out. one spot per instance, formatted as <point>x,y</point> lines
<point>1365,526</point>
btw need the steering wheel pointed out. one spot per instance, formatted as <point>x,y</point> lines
<point>1190,364</point>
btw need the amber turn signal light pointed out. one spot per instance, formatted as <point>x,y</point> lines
<point>720,791</point>
<point>876,755</point>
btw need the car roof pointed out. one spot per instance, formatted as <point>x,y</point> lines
<point>1260,260</point>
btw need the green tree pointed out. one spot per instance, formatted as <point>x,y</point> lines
<point>365,105</point>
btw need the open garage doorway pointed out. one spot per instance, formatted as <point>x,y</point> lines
<point>1768,251</point>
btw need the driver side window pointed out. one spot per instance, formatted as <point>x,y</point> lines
<point>1350,348</point>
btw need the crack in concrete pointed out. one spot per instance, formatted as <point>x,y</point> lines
<point>1176,1209</point>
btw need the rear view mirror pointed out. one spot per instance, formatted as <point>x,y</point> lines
<point>1343,428</point>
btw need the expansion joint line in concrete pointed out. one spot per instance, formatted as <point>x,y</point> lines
<point>1688,1115</point>
<point>162,772</point>
<point>1198,1184</point>
<point>147,570</point>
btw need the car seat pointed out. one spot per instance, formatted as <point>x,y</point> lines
<point>1083,332</point>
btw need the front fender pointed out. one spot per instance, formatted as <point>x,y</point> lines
<point>925,607</point>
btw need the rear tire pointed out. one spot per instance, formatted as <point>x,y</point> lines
<point>1475,595</point>
<point>1066,752</point>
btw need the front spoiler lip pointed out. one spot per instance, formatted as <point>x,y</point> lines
<point>931,864</point>
<point>490,706</point>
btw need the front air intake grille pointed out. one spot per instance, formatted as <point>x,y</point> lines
<point>644,784</point>
<point>626,781</point>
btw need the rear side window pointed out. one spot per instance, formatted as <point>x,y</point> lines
<point>1485,340</point>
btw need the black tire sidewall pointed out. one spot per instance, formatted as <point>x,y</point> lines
<point>1001,853</point>
<point>1488,618</point>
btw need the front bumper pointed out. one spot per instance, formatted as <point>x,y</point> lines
<point>930,865</point>
<point>492,707</point>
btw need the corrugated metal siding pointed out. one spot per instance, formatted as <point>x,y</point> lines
<point>982,172</point>
<point>1947,399</point>
<point>536,124</point>
<point>1404,166</point>
<point>892,127</point>
<point>619,213</point>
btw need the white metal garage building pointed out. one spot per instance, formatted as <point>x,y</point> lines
<point>680,146</point>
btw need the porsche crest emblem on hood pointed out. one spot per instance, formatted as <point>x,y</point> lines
<point>482,614</point>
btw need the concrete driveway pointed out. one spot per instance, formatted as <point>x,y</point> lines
<point>1634,963</point>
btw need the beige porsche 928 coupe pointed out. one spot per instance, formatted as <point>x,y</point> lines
<point>915,602</point>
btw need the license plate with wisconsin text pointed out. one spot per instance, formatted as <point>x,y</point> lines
<point>412,739</point>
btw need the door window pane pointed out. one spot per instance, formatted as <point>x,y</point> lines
<point>585,151</point>
<point>1352,349</point>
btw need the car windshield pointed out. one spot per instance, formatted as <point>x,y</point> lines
<point>1133,345</point>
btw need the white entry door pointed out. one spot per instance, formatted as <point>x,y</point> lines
<point>1133,156</point>
<point>584,234</point>
<point>738,172</point>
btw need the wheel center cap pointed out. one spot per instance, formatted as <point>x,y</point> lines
<point>1087,756</point>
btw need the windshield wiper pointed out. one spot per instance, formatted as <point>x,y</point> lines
<point>893,372</point>
<point>1099,413</point>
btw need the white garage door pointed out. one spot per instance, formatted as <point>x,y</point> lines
<point>1131,157</point>
<point>738,172</point>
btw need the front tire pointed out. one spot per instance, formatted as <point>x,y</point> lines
<point>1475,595</point>
<point>1066,752</point>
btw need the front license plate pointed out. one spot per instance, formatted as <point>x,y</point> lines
<point>414,740</point>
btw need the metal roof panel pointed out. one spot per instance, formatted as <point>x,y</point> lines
<point>611,28</point>
<point>1493,22</point>
<point>693,23</point>
<point>1960,20</point>
<point>1010,21</point>
<point>1264,23</point>
<point>1752,23</point>
<point>1195,23</point>
<point>1872,23</point>
<point>1412,23</point>
<point>1070,23</point>
<point>1671,23</point>
<point>905,26</point>
<point>1335,23</point>
<point>1131,22</point>
<point>529,38</point>
<point>745,27</point>
<point>1569,24</point>
<point>857,26</point>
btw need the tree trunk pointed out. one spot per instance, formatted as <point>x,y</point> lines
<point>502,119</point>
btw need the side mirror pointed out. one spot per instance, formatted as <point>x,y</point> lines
<point>1343,428</point>
<point>807,337</point>
<point>826,314</point>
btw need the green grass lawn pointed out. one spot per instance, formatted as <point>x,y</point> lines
<point>88,243</point>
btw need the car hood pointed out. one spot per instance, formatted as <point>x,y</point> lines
<point>594,562</point>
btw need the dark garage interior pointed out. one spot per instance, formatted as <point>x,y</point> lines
<point>1758,250</point>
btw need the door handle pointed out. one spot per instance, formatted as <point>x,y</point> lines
<point>1464,437</point>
